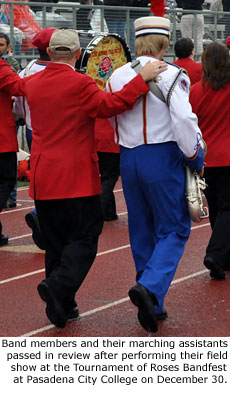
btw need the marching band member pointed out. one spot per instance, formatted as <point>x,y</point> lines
<point>64,150</point>
<point>156,138</point>
<point>21,108</point>
<point>9,86</point>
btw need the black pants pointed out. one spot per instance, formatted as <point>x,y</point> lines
<point>8,177</point>
<point>218,198</point>
<point>70,228</point>
<point>109,165</point>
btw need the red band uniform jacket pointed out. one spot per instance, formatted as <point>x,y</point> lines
<point>63,105</point>
<point>105,140</point>
<point>216,129</point>
<point>10,84</point>
<point>194,69</point>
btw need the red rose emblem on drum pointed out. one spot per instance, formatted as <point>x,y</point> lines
<point>105,68</point>
<point>106,64</point>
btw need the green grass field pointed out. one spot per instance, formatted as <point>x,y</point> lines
<point>22,184</point>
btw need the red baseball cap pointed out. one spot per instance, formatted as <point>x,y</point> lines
<point>228,41</point>
<point>41,39</point>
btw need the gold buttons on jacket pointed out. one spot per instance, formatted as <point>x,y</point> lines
<point>139,95</point>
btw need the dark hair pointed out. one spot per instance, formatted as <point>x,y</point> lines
<point>183,48</point>
<point>216,65</point>
<point>4,36</point>
<point>43,56</point>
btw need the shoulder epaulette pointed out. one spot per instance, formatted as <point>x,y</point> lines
<point>173,85</point>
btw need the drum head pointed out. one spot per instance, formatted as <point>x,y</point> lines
<point>103,54</point>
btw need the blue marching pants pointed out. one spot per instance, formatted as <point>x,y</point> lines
<point>153,179</point>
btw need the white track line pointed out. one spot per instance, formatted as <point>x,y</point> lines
<point>18,237</point>
<point>19,209</point>
<point>118,191</point>
<point>113,250</point>
<point>104,307</point>
<point>26,201</point>
<point>109,305</point>
<point>19,189</point>
<point>98,254</point>
<point>199,226</point>
<point>27,235</point>
<point>8,280</point>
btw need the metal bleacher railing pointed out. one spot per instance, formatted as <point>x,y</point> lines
<point>23,22</point>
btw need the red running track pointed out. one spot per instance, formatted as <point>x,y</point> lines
<point>197,306</point>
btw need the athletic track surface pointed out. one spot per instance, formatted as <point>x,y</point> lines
<point>197,306</point>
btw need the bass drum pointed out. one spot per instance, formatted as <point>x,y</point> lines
<point>101,54</point>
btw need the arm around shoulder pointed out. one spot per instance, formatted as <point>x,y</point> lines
<point>103,104</point>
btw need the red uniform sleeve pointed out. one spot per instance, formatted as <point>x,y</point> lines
<point>9,80</point>
<point>102,104</point>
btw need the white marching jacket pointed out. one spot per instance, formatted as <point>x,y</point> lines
<point>152,121</point>
<point>21,107</point>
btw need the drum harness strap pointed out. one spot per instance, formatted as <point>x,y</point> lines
<point>28,67</point>
<point>136,66</point>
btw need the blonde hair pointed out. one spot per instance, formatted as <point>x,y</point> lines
<point>151,44</point>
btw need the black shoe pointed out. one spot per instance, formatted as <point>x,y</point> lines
<point>32,221</point>
<point>3,239</point>
<point>72,314</point>
<point>11,204</point>
<point>162,316</point>
<point>71,309</point>
<point>216,272</point>
<point>145,301</point>
<point>55,311</point>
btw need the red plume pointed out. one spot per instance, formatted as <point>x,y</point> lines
<point>158,7</point>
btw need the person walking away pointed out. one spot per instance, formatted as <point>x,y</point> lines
<point>65,180</point>
<point>9,86</point>
<point>109,166</point>
<point>21,109</point>
<point>6,54</point>
<point>185,51</point>
<point>156,140</point>
<point>210,101</point>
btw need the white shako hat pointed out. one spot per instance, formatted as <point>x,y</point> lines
<point>152,25</point>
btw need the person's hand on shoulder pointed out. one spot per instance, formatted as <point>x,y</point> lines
<point>151,69</point>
